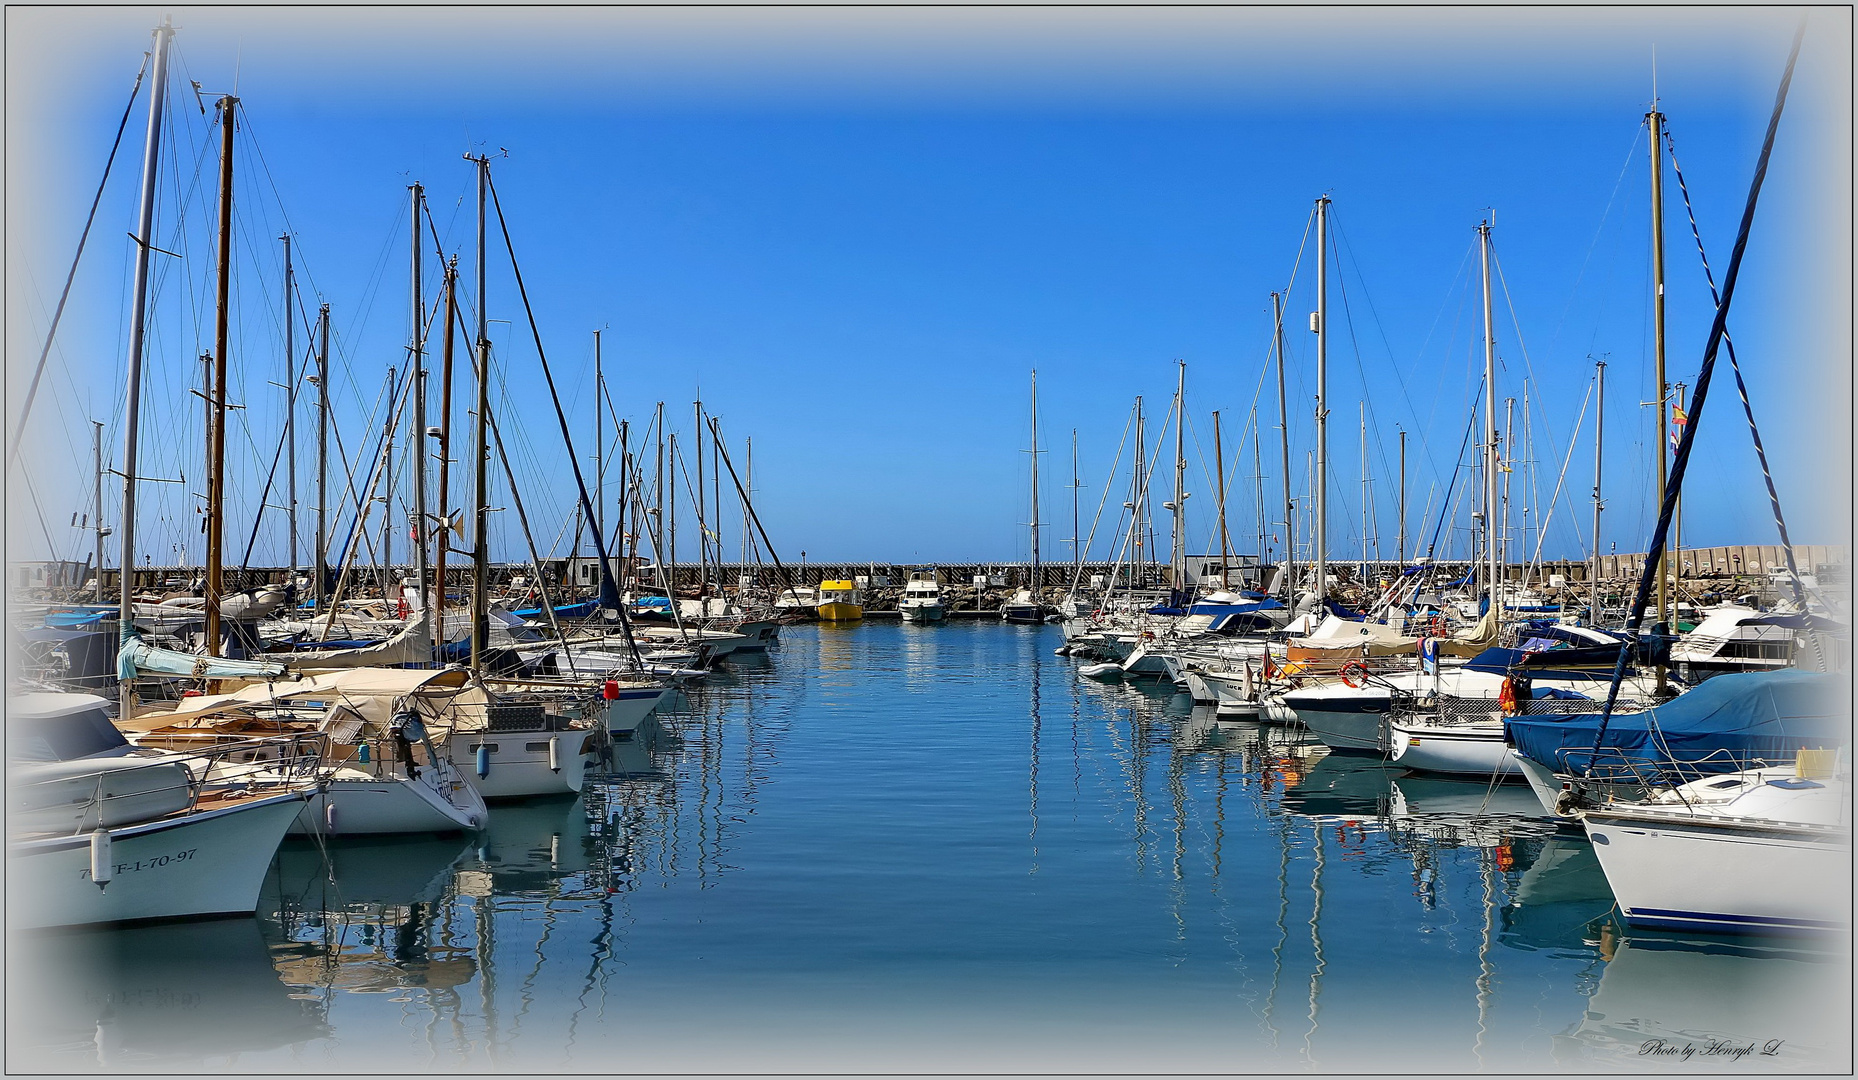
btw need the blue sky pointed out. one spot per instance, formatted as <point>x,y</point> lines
<point>858,233</point>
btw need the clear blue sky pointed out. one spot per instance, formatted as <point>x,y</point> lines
<point>859,232</point>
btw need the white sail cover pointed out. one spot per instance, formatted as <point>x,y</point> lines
<point>412,645</point>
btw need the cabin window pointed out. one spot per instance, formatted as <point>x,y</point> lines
<point>489,746</point>
<point>536,747</point>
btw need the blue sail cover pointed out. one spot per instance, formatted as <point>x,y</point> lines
<point>1763,715</point>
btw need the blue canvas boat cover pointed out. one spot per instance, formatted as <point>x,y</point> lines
<point>562,611</point>
<point>1723,724</point>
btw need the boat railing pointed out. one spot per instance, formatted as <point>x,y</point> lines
<point>1617,766</point>
<point>221,769</point>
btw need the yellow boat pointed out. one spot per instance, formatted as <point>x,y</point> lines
<point>839,601</point>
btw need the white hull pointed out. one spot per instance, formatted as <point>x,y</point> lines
<point>923,612</point>
<point>1741,875</point>
<point>208,863</point>
<point>1231,693</point>
<point>524,764</point>
<point>633,706</point>
<point>352,804</point>
<point>1470,750</point>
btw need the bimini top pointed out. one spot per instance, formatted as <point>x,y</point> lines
<point>1757,714</point>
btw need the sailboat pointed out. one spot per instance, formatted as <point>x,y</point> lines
<point>1025,606</point>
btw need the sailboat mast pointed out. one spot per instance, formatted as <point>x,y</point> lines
<point>1400,544</point>
<point>1655,119</point>
<point>322,454</point>
<point>1035,485</point>
<point>1283,431</point>
<point>1138,497</point>
<point>138,324</point>
<point>1219,469</point>
<point>1490,426</point>
<point>703,540</point>
<point>480,448</point>
<point>1321,479</point>
<point>216,470</point>
<point>599,447</point>
<point>388,588</point>
<point>1361,410</point>
<point>96,505</point>
<point>1077,554</point>
<point>445,448</point>
<point>290,401</point>
<point>1599,440</point>
<point>1177,563</point>
<point>416,441</point>
<point>1508,459</point>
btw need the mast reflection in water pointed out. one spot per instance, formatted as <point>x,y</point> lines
<point>922,847</point>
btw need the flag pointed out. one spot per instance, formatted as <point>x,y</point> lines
<point>1677,416</point>
<point>1674,442</point>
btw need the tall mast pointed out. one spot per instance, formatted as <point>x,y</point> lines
<point>1177,568</point>
<point>716,495</point>
<point>1508,446</point>
<point>1077,554</point>
<point>703,539</point>
<point>1490,427</point>
<point>1676,555</point>
<point>1283,430</point>
<point>671,520</point>
<point>1035,485</point>
<point>600,450</point>
<point>1599,440</point>
<point>1138,505</point>
<point>1361,410</point>
<point>389,591</point>
<point>138,323</point>
<point>1400,544</point>
<point>96,449</point>
<point>416,441</point>
<point>1264,533</point>
<point>290,401</point>
<point>1321,479</point>
<point>216,470</point>
<point>1655,119</point>
<point>445,448</point>
<point>322,454</point>
<point>480,448</point>
<point>658,554</point>
<point>1219,469</point>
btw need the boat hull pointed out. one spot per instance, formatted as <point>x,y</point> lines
<point>1469,750</point>
<point>839,612</point>
<point>632,707</point>
<point>380,806</point>
<point>518,765</point>
<point>208,863</point>
<point>923,613</point>
<point>1350,722</point>
<point>1736,876</point>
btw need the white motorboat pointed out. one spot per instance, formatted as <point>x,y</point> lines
<point>922,598</point>
<point>100,831</point>
<point>1758,851</point>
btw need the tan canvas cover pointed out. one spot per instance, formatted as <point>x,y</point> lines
<point>369,692</point>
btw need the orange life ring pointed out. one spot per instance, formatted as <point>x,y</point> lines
<point>1359,668</point>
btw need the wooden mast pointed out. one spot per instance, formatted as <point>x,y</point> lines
<point>216,433</point>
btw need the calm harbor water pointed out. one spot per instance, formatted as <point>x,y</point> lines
<point>894,847</point>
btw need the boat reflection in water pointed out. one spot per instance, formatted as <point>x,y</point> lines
<point>174,996</point>
<point>1748,1005</point>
